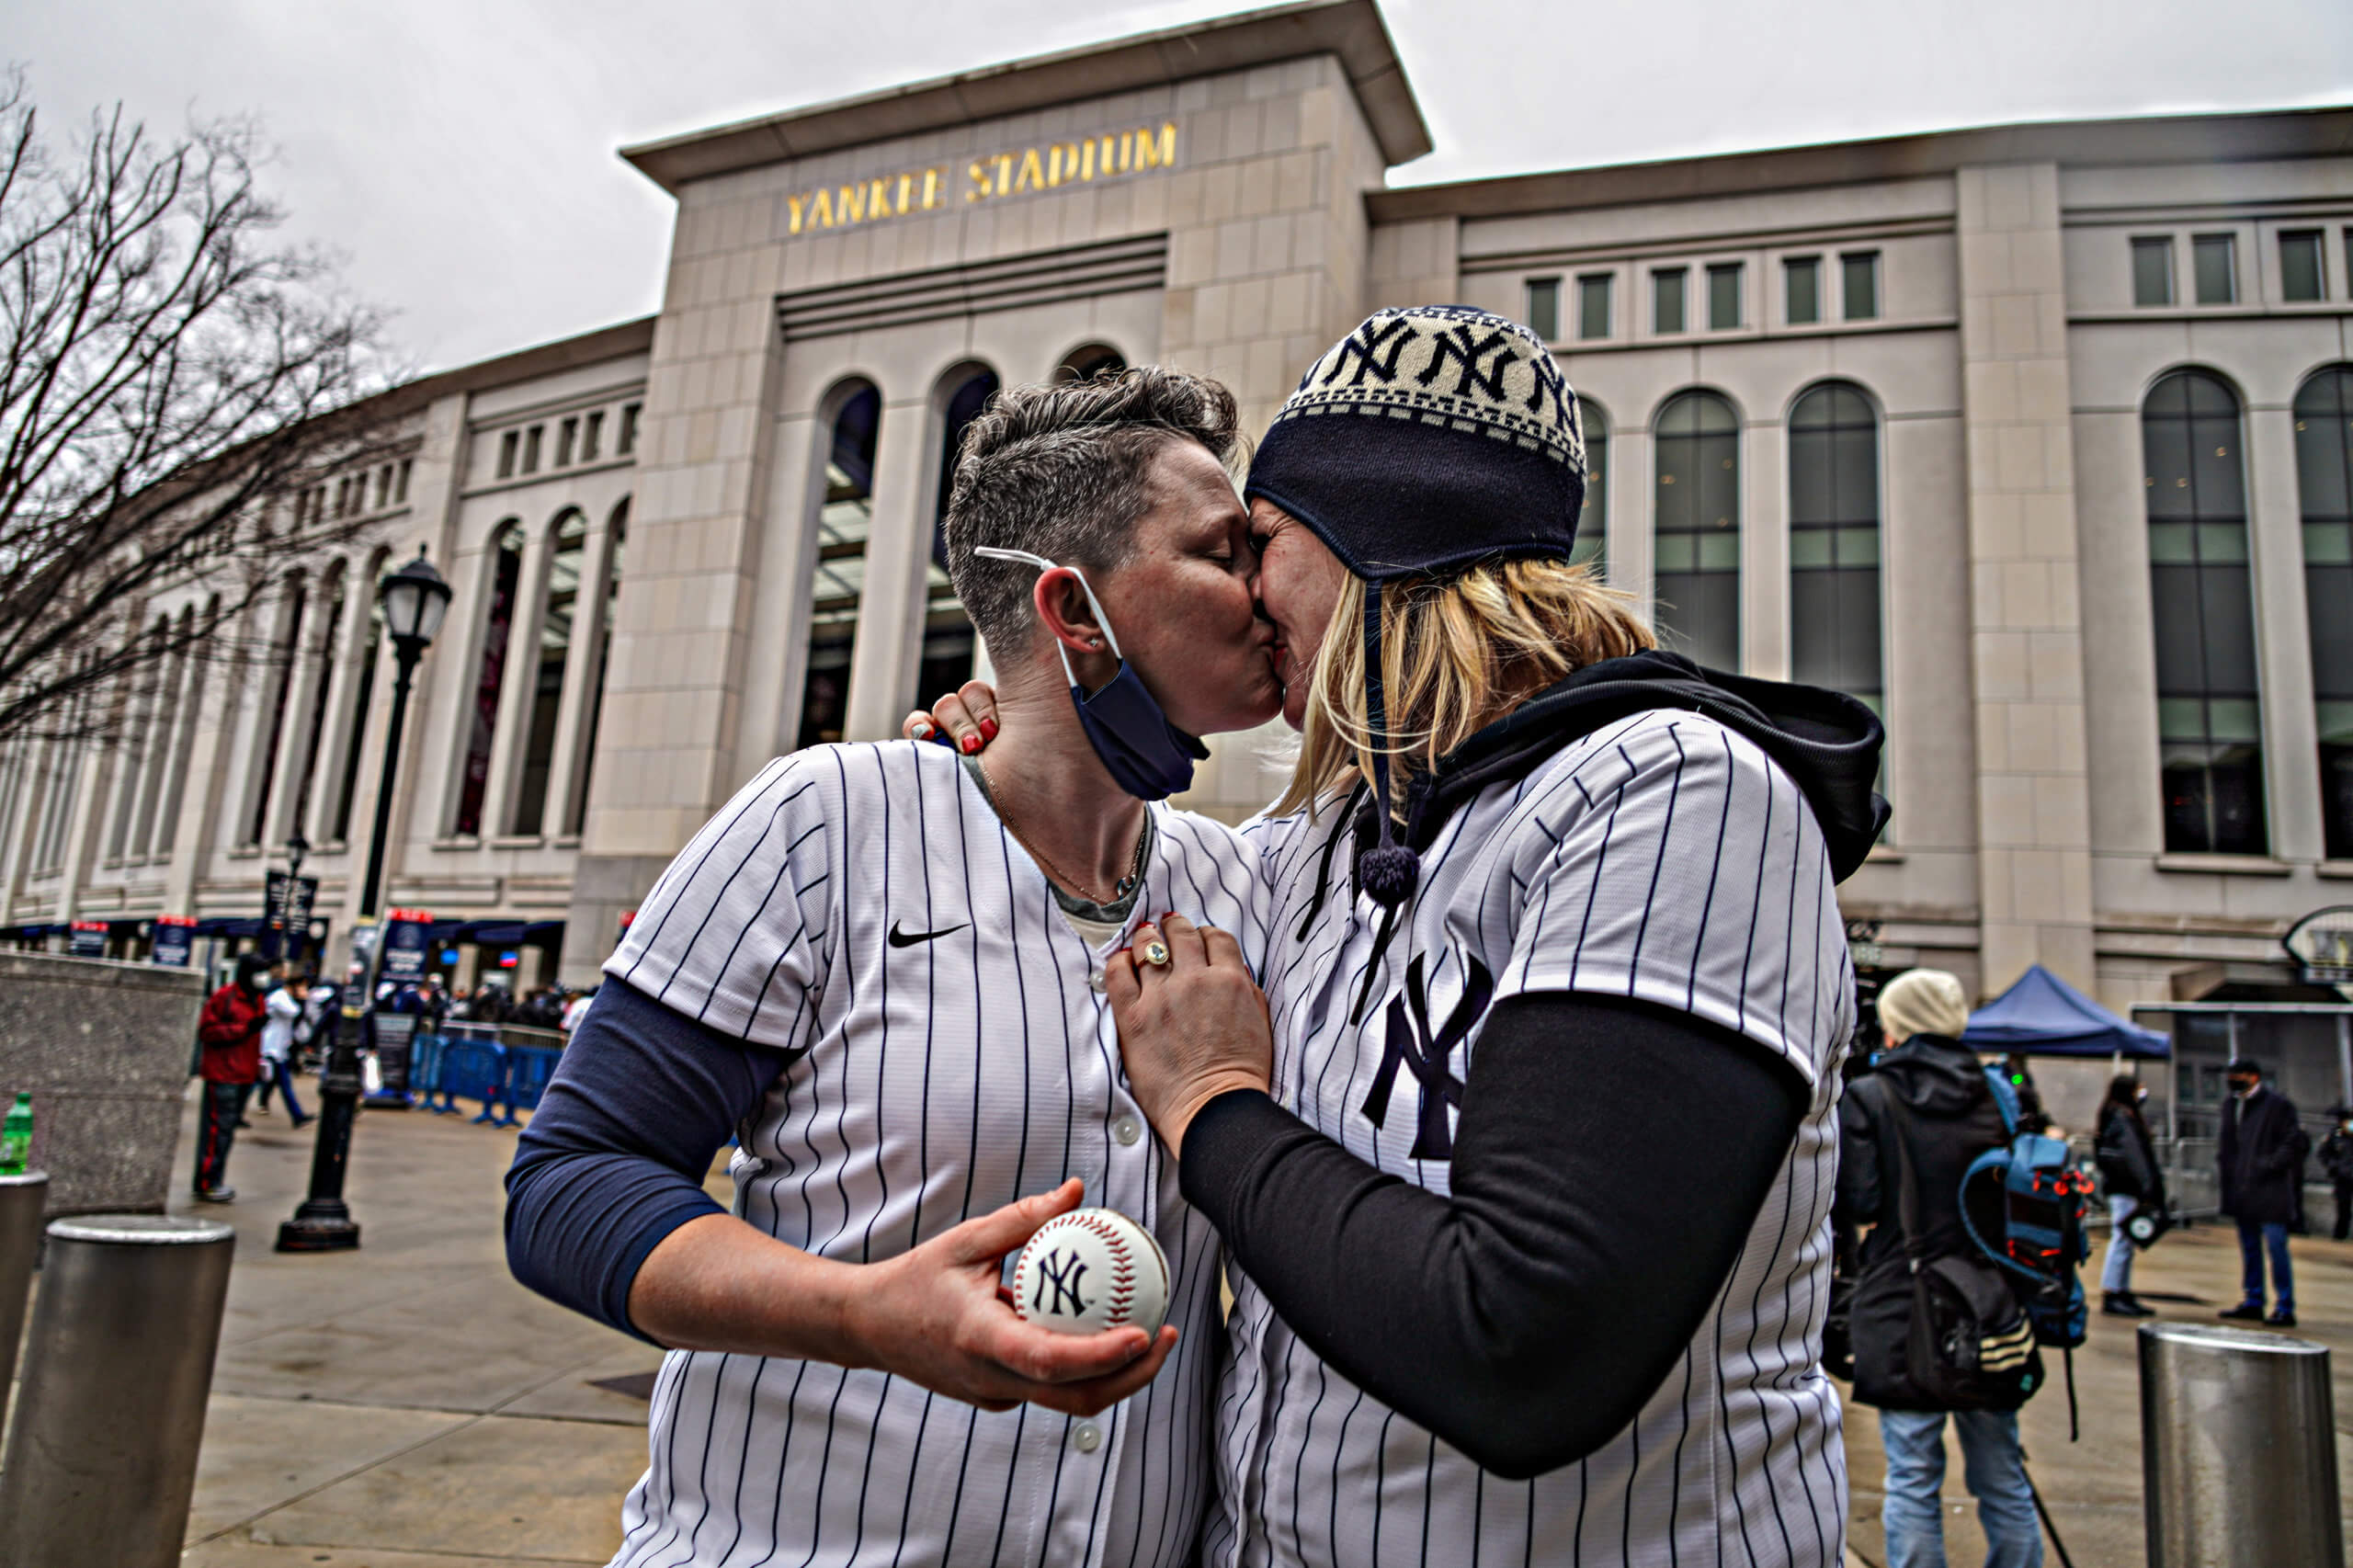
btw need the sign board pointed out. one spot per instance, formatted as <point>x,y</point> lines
<point>395,1035</point>
<point>174,935</point>
<point>89,939</point>
<point>407,934</point>
<point>1863,945</point>
<point>286,914</point>
<point>2321,945</point>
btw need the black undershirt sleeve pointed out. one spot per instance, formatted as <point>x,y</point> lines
<point>1610,1161</point>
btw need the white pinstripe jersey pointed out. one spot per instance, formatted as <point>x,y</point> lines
<point>939,1076</point>
<point>1664,857</point>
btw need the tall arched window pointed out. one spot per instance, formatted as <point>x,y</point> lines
<point>314,734</point>
<point>200,662</point>
<point>1833,543</point>
<point>1697,537</point>
<point>845,519</point>
<point>363,690</point>
<point>2324,489</point>
<point>1088,361</point>
<point>576,814</point>
<point>277,678</point>
<point>947,661</point>
<point>161,731</point>
<point>2209,719</point>
<point>1593,517</point>
<point>565,566</point>
<point>504,578</point>
<point>147,702</point>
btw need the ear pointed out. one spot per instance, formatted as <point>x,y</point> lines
<point>1062,609</point>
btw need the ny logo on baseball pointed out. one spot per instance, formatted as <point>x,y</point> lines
<point>1089,1270</point>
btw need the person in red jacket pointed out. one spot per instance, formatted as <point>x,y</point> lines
<point>230,1030</point>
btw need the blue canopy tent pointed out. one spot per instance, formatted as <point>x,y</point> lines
<point>2044,1016</point>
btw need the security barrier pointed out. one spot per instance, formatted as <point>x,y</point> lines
<point>504,1066</point>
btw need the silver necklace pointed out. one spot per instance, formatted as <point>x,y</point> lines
<point>1126,884</point>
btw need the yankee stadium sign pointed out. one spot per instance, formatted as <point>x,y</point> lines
<point>1022,172</point>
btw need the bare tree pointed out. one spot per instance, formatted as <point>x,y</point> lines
<point>176,383</point>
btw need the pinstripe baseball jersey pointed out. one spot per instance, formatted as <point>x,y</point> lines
<point>1662,857</point>
<point>863,907</point>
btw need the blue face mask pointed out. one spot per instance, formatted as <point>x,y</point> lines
<point>1146,755</point>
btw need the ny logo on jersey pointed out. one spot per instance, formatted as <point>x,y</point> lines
<point>1411,1045</point>
<point>1062,1272</point>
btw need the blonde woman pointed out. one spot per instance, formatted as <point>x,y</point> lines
<point>1523,1156</point>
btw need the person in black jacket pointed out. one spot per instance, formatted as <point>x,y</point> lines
<point>1948,1105</point>
<point>2336,1159</point>
<point>2127,1170</point>
<point>2262,1168</point>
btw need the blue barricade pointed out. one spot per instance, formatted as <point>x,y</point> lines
<point>505,1066</point>
<point>476,1069</point>
<point>424,1065</point>
<point>528,1068</point>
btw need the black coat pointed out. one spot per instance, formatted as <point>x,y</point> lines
<point>2262,1159</point>
<point>2127,1160</point>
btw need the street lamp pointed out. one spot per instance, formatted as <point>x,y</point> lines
<point>415,598</point>
<point>289,944</point>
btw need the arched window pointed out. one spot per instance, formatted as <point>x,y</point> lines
<point>2324,489</point>
<point>146,708</point>
<point>565,566</point>
<point>161,728</point>
<point>1593,517</point>
<point>1697,537</point>
<point>199,669</point>
<point>504,578</point>
<point>314,735</point>
<point>1088,361</point>
<point>947,661</point>
<point>1833,543</point>
<point>845,519</point>
<point>363,690</point>
<point>2210,726</point>
<point>277,678</point>
<point>576,814</point>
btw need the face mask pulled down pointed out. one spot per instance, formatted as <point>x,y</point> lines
<point>1145,754</point>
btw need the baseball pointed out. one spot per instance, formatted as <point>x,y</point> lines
<point>1089,1270</point>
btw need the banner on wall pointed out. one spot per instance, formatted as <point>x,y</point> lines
<point>175,937</point>
<point>407,934</point>
<point>89,939</point>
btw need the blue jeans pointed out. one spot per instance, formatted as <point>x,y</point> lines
<point>2254,1242</point>
<point>1992,1466</point>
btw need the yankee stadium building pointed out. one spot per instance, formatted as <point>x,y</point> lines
<point>2037,437</point>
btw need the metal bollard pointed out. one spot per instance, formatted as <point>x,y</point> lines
<point>2238,1448</point>
<point>101,1457</point>
<point>21,1197</point>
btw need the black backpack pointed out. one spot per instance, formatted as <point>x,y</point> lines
<point>1942,1333</point>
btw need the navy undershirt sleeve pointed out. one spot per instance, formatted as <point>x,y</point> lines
<point>1611,1158</point>
<point>614,1158</point>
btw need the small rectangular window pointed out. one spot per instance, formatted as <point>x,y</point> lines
<point>1666,299</point>
<point>2214,260</point>
<point>627,442</point>
<point>2152,270</point>
<point>385,486</point>
<point>2303,278</point>
<point>1593,305</point>
<point>1858,284</point>
<point>568,436</point>
<point>531,448</point>
<point>507,445</point>
<point>1802,288</point>
<point>591,436</point>
<point>1723,296</point>
<point>399,481</point>
<point>1544,308</point>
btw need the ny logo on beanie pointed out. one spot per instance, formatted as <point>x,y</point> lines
<point>1466,369</point>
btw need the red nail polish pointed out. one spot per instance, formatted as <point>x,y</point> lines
<point>972,744</point>
<point>988,729</point>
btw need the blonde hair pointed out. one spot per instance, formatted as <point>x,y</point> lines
<point>1457,654</point>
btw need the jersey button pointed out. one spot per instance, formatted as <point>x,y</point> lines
<point>1087,1439</point>
<point>1127,1130</point>
<point>1097,983</point>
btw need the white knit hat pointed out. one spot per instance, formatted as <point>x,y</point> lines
<point>1923,1001</point>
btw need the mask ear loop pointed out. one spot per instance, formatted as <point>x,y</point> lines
<point>1042,564</point>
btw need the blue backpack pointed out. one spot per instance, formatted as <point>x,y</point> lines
<point>2042,1241</point>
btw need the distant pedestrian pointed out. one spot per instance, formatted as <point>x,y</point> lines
<point>2127,1170</point>
<point>283,1009</point>
<point>2336,1159</point>
<point>229,1031</point>
<point>575,1007</point>
<point>2262,1163</point>
<point>2032,1117</point>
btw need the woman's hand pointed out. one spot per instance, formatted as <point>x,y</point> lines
<point>965,719</point>
<point>1190,1029</point>
<point>938,1316</point>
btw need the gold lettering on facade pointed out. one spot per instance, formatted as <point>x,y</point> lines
<point>852,204</point>
<point>931,189</point>
<point>821,209</point>
<point>1033,174</point>
<point>1103,156</point>
<point>1156,152</point>
<point>979,183</point>
<point>792,206</point>
<point>1003,174</point>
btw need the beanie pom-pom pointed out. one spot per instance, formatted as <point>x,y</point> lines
<point>1390,874</point>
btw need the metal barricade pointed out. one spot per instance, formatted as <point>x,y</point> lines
<point>21,1197</point>
<point>424,1065</point>
<point>528,1068</point>
<point>2238,1448</point>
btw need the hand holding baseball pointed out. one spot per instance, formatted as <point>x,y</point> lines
<point>1191,1029</point>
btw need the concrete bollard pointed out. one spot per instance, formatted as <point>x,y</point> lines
<point>21,1197</point>
<point>2238,1448</point>
<point>101,1456</point>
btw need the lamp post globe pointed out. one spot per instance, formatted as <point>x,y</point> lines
<point>415,598</point>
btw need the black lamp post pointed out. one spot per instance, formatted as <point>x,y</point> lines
<point>289,942</point>
<point>415,598</point>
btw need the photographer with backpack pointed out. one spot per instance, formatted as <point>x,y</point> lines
<point>1936,1327</point>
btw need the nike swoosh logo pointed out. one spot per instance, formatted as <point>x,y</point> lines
<point>909,938</point>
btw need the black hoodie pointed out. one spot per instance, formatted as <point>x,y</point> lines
<point>1950,1108</point>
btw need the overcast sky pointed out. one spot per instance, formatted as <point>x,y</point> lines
<point>459,154</point>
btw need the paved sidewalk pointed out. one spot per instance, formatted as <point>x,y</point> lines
<point>409,1406</point>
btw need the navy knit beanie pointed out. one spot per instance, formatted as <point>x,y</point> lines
<point>1427,440</point>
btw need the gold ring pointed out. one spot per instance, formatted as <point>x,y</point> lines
<point>1157,954</point>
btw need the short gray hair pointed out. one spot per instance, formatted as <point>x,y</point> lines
<point>1062,471</point>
